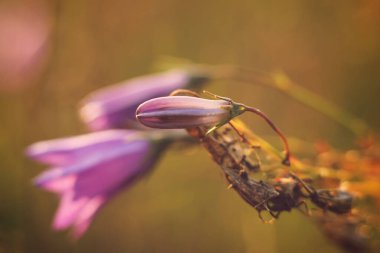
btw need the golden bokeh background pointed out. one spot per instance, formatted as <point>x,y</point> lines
<point>330,47</point>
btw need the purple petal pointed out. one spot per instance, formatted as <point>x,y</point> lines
<point>126,152</point>
<point>68,210</point>
<point>86,215</point>
<point>60,185</point>
<point>77,212</point>
<point>111,175</point>
<point>115,106</point>
<point>64,151</point>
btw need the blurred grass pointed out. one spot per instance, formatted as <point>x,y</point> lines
<point>330,47</point>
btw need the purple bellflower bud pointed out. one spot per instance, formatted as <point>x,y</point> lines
<point>115,106</point>
<point>88,170</point>
<point>185,112</point>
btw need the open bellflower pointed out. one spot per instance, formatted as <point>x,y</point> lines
<point>88,170</point>
<point>115,106</point>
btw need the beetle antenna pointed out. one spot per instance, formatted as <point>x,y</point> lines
<point>217,96</point>
<point>302,182</point>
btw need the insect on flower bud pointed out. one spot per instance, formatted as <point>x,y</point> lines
<point>176,112</point>
<point>185,112</point>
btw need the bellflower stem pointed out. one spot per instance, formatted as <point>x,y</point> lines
<point>286,160</point>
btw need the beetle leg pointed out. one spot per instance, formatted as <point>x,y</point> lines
<point>305,211</point>
<point>266,221</point>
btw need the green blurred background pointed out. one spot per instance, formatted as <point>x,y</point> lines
<point>330,47</point>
